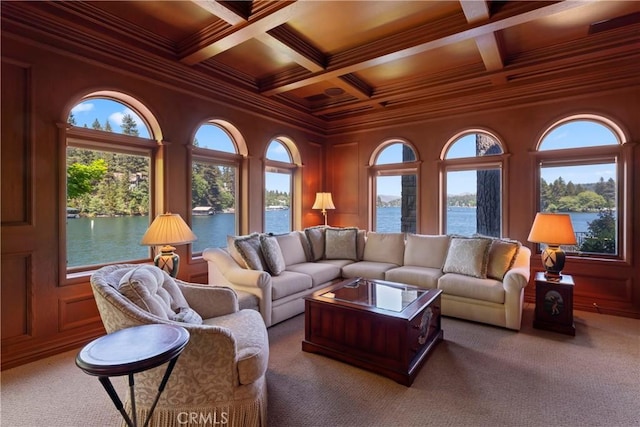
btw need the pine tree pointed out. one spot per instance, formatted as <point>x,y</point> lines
<point>129,125</point>
<point>96,125</point>
<point>71,119</point>
<point>107,126</point>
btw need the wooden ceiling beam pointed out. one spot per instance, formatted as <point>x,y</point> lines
<point>218,9</point>
<point>203,47</point>
<point>285,40</point>
<point>422,39</point>
<point>488,44</point>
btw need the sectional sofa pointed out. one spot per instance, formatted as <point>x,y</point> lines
<point>482,279</point>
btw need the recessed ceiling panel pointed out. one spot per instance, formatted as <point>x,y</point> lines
<point>432,62</point>
<point>335,26</point>
<point>174,20</point>
<point>256,59</point>
<point>563,27</point>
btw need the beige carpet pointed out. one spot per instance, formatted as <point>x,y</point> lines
<point>479,376</point>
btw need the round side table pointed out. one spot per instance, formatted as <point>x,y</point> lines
<point>129,351</point>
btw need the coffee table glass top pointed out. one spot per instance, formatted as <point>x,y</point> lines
<point>376,293</point>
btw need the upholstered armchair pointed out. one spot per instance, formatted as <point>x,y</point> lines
<point>219,378</point>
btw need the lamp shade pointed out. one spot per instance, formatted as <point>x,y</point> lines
<point>168,229</point>
<point>553,229</point>
<point>323,201</point>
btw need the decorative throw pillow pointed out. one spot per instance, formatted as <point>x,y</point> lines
<point>468,256</point>
<point>272,253</point>
<point>502,255</point>
<point>315,235</point>
<point>384,247</point>
<point>340,243</point>
<point>250,251</point>
<point>231,248</point>
<point>188,315</point>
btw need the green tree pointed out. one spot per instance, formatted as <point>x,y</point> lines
<point>71,119</point>
<point>96,125</point>
<point>81,179</point>
<point>107,126</point>
<point>601,234</point>
<point>129,125</point>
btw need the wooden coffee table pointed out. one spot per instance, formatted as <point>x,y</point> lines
<point>385,327</point>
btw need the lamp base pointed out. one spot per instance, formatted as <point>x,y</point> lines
<point>553,259</point>
<point>167,260</point>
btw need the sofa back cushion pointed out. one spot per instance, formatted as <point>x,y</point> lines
<point>384,247</point>
<point>424,250</point>
<point>292,248</point>
<point>341,243</point>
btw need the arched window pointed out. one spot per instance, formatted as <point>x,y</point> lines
<point>281,167</point>
<point>579,162</point>
<point>111,138</point>
<point>218,150</point>
<point>473,185</point>
<point>394,173</point>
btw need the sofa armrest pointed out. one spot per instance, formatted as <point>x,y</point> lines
<point>223,270</point>
<point>516,279</point>
<point>209,301</point>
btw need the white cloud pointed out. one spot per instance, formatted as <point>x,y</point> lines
<point>82,107</point>
<point>117,117</point>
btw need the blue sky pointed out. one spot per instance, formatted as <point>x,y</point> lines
<point>571,135</point>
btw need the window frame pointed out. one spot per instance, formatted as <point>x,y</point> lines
<point>97,140</point>
<point>219,158</point>
<point>461,164</point>
<point>293,169</point>
<point>392,169</point>
<point>586,156</point>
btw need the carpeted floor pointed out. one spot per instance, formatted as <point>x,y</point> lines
<point>479,376</point>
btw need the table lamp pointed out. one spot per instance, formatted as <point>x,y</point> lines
<point>552,229</point>
<point>166,230</point>
<point>324,202</point>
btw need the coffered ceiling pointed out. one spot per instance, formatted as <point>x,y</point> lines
<point>340,61</point>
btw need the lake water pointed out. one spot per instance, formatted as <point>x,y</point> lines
<point>107,240</point>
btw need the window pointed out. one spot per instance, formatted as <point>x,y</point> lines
<point>473,184</point>
<point>215,169</point>
<point>579,173</point>
<point>278,179</point>
<point>395,187</point>
<point>108,176</point>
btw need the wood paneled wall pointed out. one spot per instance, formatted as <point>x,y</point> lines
<point>43,314</point>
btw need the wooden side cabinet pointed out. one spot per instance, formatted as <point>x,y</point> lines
<point>554,304</point>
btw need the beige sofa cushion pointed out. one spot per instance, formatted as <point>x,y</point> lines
<point>292,248</point>
<point>424,250</point>
<point>289,283</point>
<point>384,247</point>
<point>471,287</point>
<point>424,277</point>
<point>368,269</point>
<point>468,256</point>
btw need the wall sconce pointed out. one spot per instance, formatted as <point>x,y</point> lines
<point>324,202</point>
<point>553,230</point>
<point>166,230</point>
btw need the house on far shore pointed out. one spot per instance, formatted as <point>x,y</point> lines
<point>202,210</point>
